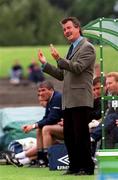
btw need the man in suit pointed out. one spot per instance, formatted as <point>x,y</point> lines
<point>77,72</point>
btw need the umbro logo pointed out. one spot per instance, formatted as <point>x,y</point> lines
<point>64,160</point>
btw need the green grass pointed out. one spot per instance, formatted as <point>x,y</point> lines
<point>8,55</point>
<point>25,54</point>
<point>8,172</point>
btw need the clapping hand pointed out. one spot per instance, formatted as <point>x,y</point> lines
<point>54,52</point>
<point>41,57</point>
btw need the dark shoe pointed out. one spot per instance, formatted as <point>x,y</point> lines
<point>3,160</point>
<point>69,172</point>
<point>12,160</point>
<point>42,158</point>
<point>83,172</point>
<point>38,164</point>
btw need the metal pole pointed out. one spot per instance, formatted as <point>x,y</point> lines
<point>102,84</point>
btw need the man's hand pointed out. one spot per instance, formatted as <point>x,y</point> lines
<point>54,52</point>
<point>117,122</point>
<point>94,123</point>
<point>41,57</point>
<point>27,128</point>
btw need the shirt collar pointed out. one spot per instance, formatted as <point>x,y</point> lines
<point>77,41</point>
<point>51,96</point>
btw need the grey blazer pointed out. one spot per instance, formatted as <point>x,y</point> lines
<point>77,73</point>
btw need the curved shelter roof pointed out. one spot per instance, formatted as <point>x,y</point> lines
<point>104,28</point>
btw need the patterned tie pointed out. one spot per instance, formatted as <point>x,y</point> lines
<point>70,51</point>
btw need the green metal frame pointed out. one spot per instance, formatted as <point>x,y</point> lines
<point>105,30</point>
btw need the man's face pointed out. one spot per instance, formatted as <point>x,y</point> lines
<point>97,90</point>
<point>44,93</point>
<point>70,32</point>
<point>112,85</point>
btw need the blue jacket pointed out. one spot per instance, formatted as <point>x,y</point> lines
<point>53,112</point>
<point>109,123</point>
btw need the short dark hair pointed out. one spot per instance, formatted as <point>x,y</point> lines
<point>98,80</point>
<point>75,22</point>
<point>46,84</point>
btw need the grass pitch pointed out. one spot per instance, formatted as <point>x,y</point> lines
<point>9,172</point>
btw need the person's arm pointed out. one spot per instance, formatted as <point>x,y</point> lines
<point>80,60</point>
<point>96,134</point>
<point>109,124</point>
<point>52,118</point>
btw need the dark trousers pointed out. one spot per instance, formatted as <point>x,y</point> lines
<point>77,138</point>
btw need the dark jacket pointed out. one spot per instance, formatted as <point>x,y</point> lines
<point>53,112</point>
<point>109,123</point>
<point>96,110</point>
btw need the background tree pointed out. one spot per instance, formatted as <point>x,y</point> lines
<point>89,10</point>
<point>35,22</point>
<point>29,22</point>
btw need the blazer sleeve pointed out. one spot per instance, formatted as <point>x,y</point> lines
<point>54,71</point>
<point>79,61</point>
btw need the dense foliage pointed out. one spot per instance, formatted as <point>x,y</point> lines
<point>36,22</point>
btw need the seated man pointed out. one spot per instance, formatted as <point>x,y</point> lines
<point>53,114</point>
<point>95,115</point>
<point>111,113</point>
